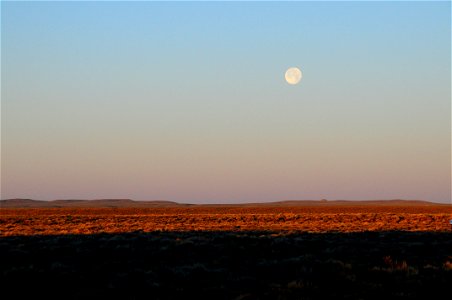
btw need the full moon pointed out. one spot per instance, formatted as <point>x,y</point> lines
<point>293,75</point>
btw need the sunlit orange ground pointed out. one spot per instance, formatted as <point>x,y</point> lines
<point>44,221</point>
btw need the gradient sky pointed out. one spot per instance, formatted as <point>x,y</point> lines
<point>187,101</point>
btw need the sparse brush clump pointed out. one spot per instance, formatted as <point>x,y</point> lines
<point>391,265</point>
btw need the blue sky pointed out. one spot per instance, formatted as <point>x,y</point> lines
<point>187,101</point>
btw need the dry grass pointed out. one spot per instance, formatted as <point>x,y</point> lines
<point>51,221</point>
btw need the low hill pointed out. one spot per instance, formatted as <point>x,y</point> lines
<point>29,203</point>
<point>24,203</point>
<point>323,202</point>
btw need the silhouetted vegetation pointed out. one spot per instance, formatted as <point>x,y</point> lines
<point>230,265</point>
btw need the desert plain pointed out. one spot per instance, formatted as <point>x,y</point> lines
<point>121,216</point>
<point>127,249</point>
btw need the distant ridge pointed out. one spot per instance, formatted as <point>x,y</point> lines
<point>24,203</point>
<point>325,202</point>
<point>30,203</point>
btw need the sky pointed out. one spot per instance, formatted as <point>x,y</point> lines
<point>186,101</point>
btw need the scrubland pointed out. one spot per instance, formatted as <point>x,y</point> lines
<point>352,252</point>
<point>43,221</point>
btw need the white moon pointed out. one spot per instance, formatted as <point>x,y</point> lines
<point>293,75</point>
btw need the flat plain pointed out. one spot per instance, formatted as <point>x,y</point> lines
<point>314,218</point>
<point>312,250</point>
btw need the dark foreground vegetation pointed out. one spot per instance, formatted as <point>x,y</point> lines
<point>229,265</point>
